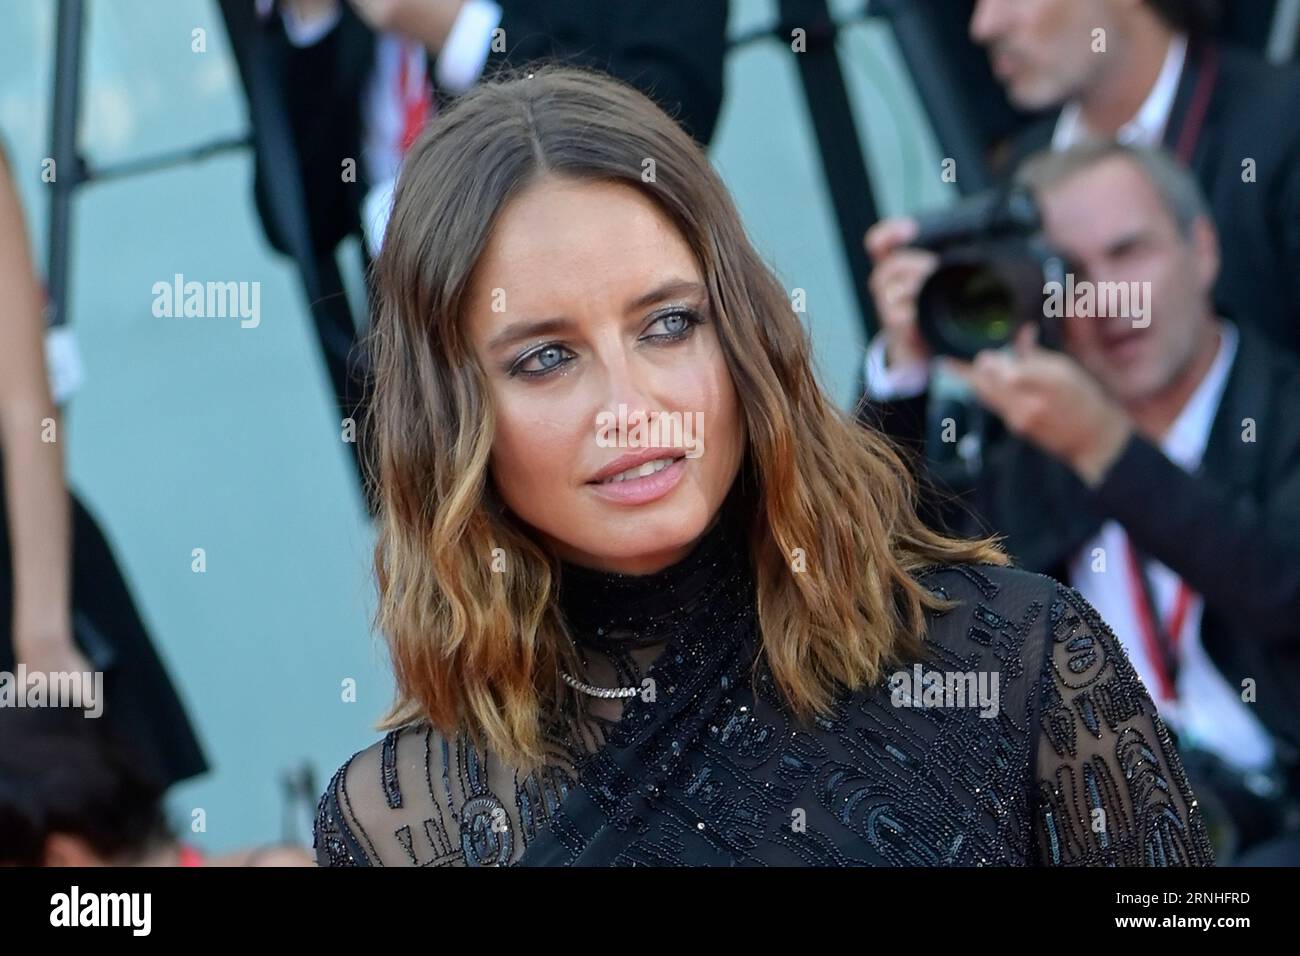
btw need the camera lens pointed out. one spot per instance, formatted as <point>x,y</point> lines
<point>978,309</point>
<point>978,298</point>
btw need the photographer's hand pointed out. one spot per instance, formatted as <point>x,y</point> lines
<point>895,283</point>
<point>1046,398</point>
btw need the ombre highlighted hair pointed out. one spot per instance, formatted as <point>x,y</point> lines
<point>479,649</point>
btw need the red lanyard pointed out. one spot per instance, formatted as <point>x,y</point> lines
<point>1162,647</point>
<point>416,103</point>
<point>1190,134</point>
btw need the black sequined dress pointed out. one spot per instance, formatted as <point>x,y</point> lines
<point>1071,764</point>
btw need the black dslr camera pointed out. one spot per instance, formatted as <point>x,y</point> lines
<point>993,274</point>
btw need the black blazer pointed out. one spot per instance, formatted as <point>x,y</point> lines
<point>1231,531</point>
<point>1251,112</point>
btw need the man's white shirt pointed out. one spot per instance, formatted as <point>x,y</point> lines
<point>1206,710</point>
<point>1147,128</point>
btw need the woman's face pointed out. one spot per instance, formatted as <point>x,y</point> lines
<point>589,315</point>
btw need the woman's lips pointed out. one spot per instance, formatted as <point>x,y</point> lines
<point>639,491</point>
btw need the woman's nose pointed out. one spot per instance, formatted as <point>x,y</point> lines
<point>628,391</point>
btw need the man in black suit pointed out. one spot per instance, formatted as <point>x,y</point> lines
<point>1154,75</point>
<point>1154,464</point>
<point>335,97</point>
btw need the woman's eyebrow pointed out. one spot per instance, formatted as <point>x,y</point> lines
<point>530,328</point>
<point>526,329</point>
<point>669,289</point>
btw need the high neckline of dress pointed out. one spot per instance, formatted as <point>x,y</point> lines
<point>606,608</point>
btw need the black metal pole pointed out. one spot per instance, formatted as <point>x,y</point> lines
<point>68,169</point>
<point>942,96</point>
<point>839,147</point>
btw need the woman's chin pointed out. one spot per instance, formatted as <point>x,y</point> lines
<point>641,542</point>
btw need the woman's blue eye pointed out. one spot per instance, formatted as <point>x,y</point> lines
<point>681,321</point>
<point>677,323</point>
<point>549,357</point>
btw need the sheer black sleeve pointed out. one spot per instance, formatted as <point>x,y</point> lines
<point>335,834</point>
<point>382,808</point>
<point>1111,787</point>
<point>413,799</point>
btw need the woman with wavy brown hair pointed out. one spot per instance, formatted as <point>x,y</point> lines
<point>650,597</point>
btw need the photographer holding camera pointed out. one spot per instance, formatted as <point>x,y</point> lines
<point>1147,459</point>
<point>1151,72</point>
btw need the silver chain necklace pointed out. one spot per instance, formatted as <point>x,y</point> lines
<point>599,691</point>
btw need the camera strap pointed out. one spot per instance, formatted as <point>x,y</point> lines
<point>1160,639</point>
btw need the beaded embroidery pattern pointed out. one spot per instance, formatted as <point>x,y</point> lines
<point>1075,768</point>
